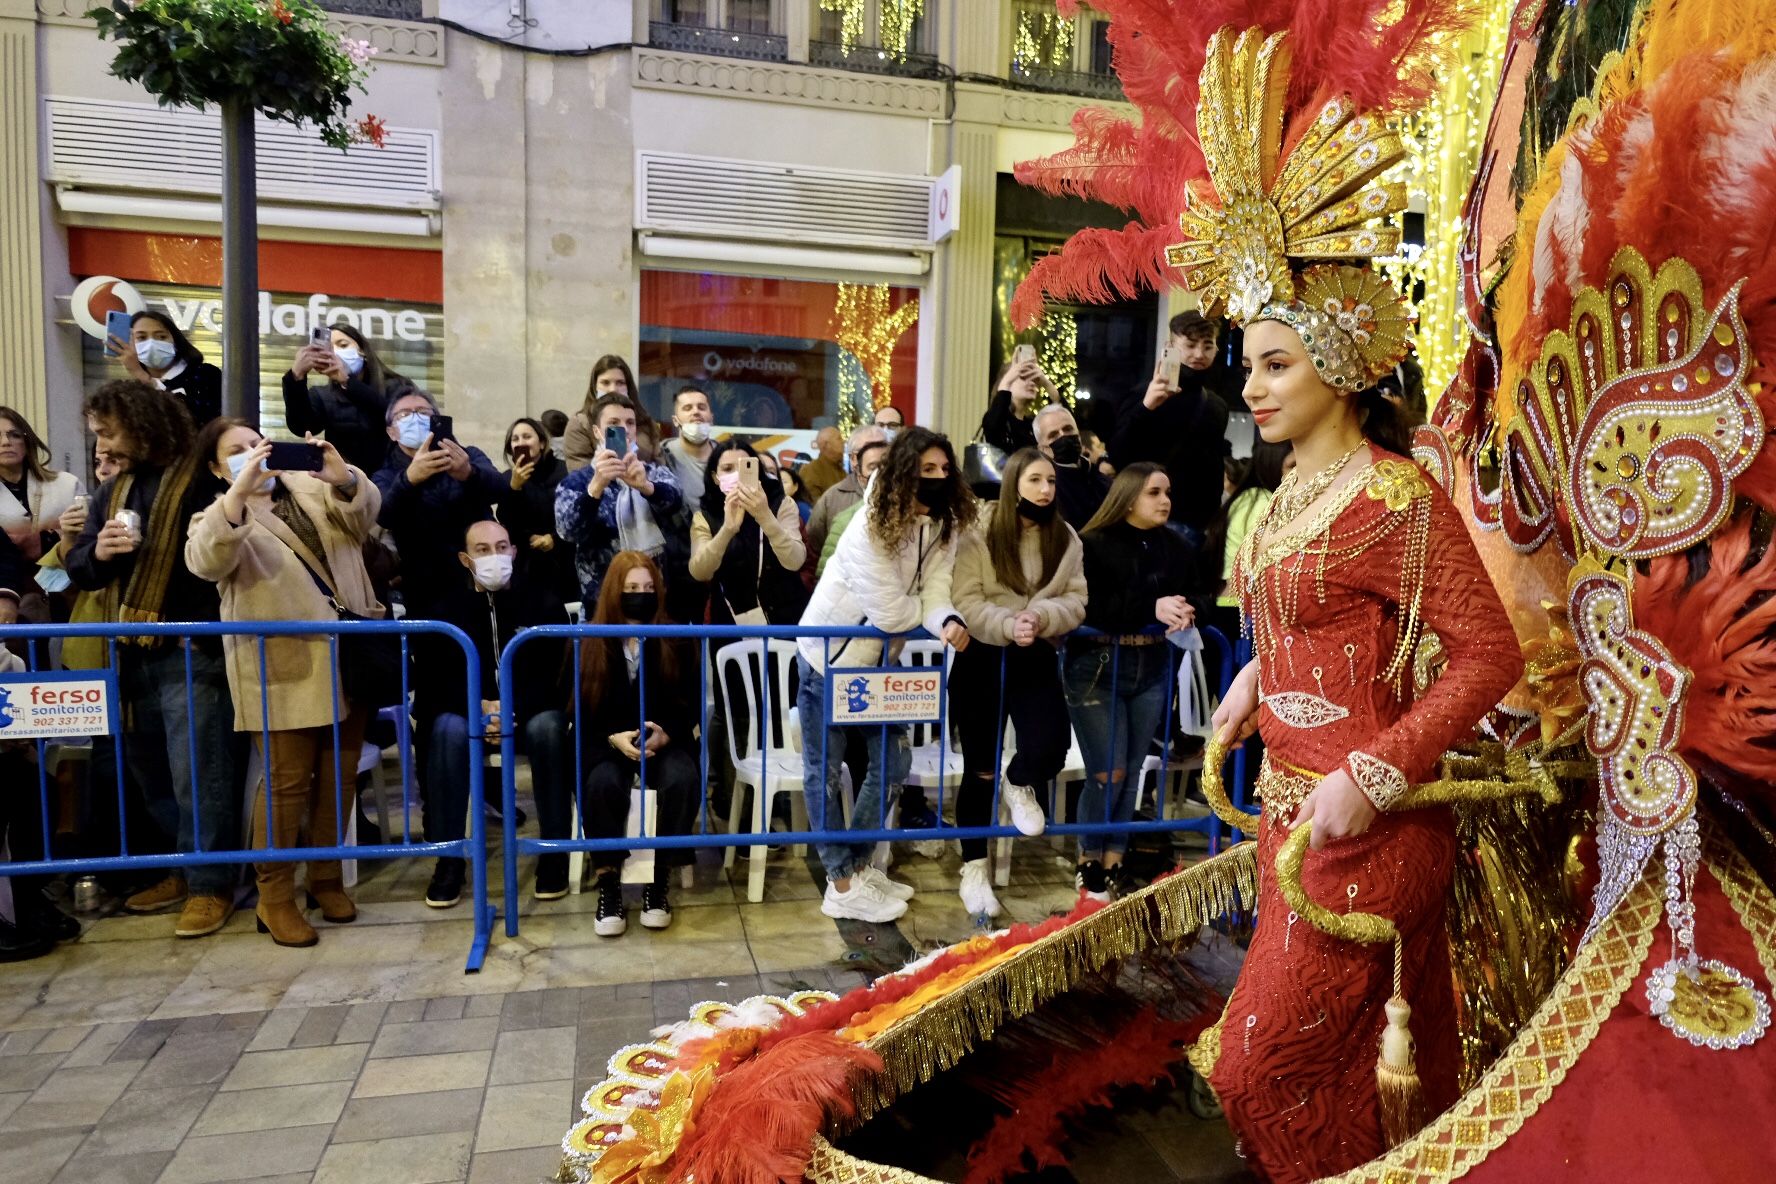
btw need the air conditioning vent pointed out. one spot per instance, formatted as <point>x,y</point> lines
<point>743,199</point>
<point>101,144</point>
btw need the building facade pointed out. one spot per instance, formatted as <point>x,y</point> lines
<point>802,204</point>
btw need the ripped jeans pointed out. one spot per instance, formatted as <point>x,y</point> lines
<point>1116,696</point>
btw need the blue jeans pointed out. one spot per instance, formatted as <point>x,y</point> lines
<point>174,744</point>
<point>821,744</point>
<point>542,737</point>
<point>1117,698</point>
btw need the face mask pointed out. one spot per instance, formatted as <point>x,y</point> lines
<point>237,462</point>
<point>354,361</point>
<point>640,606</point>
<point>890,433</point>
<point>695,434</point>
<point>934,493</point>
<point>53,579</point>
<point>1067,450</point>
<point>727,482</point>
<point>1040,515</point>
<point>156,355</point>
<point>493,572</point>
<point>413,430</point>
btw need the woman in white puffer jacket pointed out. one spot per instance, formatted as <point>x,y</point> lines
<point>891,571</point>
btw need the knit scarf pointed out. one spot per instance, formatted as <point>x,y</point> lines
<point>163,542</point>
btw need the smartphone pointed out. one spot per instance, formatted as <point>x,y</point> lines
<point>616,440</point>
<point>749,472</point>
<point>321,336</point>
<point>1171,366</point>
<point>442,427</point>
<point>294,458</point>
<point>117,324</point>
<point>520,454</point>
<point>1023,353</point>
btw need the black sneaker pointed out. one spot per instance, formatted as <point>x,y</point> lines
<point>656,910</point>
<point>551,881</point>
<point>446,887</point>
<point>1093,881</point>
<point>17,945</point>
<point>610,920</point>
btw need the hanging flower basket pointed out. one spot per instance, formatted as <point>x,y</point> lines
<point>277,56</point>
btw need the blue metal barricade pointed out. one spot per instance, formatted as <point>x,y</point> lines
<point>765,721</point>
<point>206,849</point>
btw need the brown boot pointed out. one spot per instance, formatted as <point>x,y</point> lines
<point>286,924</point>
<point>329,896</point>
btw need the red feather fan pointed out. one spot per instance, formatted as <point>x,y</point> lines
<point>1722,627</point>
<point>758,1124</point>
<point>1142,165</point>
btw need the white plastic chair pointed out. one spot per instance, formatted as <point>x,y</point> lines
<point>932,765</point>
<point>773,767</point>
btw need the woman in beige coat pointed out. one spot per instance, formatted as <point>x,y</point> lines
<point>270,543</point>
<point>1020,585</point>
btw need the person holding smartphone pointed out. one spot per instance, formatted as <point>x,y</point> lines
<point>351,407</point>
<point>285,545</point>
<point>751,550</point>
<point>619,502</point>
<point>527,508</point>
<point>1022,389</point>
<point>158,353</point>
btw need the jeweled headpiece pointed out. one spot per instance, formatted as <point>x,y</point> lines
<point>1270,250</point>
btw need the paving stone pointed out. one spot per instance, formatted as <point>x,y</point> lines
<point>148,1120</point>
<point>234,1111</point>
<point>481,1006</point>
<point>29,1071</point>
<point>99,1044</point>
<point>407,1011</point>
<point>296,1066</point>
<point>450,1008</point>
<point>534,1114</point>
<point>63,1039</point>
<point>74,1097</point>
<point>401,1115</point>
<point>523,1165</point>
<point>320,1026</point>
<point>536,1054</point>
<point>34,1157</point>
<point>421,1074</point>
<point>141,1167</point>
<point>198,1059</point>
<point>362,1024</point>
<point>435,1036</point>
<point>146,1040</point>
<point>277,1029</point>
<point>419,1159</point>
<point>210,1159</point>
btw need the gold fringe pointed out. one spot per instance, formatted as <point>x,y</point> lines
<point>1164,913</point>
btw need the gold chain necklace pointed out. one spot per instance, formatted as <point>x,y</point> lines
<point>1291,500</point>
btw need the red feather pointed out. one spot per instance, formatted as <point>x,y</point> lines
<point>1722,627</point>
<point>757,1125</point>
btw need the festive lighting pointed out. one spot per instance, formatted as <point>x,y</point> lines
<point>866,328</point>
<point>896,24</point>
<point>1443,153</point>
<point>1057,351</point>
<point>1043,38</point>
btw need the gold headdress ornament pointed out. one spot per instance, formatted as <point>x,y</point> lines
<point>1248,255</point>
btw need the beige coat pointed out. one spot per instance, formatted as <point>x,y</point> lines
<point>989,606</point>
<point>256,568</point>
<point>580,441</point>
<point>782,531</point>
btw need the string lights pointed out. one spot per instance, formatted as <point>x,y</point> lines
<point>1043,38</point>
<point>896,21</point>
<point>866,328</point>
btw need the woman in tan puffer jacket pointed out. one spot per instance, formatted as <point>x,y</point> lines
<point>1020,585</point>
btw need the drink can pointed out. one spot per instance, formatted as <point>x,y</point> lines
<point>79,502</point>
<point>132,522</point>
<point>86,894</point>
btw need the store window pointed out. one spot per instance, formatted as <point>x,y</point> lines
<point>778,358</point>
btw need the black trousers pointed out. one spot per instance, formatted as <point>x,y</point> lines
<point>672,772</point>
<point>1038,711</point>
<point>21,826</point>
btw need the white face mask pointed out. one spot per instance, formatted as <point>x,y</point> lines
<point>156,355</point>
<point>493,572</point>
<point>727,482</point>
<point>695,433</point>
<point>237,462</point>
<point>354,361</point>
<point>412,430</point>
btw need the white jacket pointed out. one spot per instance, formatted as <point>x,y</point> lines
<point>864,584</point>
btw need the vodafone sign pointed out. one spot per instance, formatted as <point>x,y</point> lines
<point>98,295</point>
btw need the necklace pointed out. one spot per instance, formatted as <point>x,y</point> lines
<point>1295,497</point>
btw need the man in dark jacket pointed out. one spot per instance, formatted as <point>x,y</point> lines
<point>431,491</point>
<point>1079,487</point>
<point>139,569</point>
<point>1183,428</point>
<point>490,603</point>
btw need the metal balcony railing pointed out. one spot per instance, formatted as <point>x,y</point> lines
<point>873,59</point>
<point>725,43</point>
<point>1067,82</point>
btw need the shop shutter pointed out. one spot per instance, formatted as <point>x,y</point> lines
<point>752,200</point>
<point>102,144</point>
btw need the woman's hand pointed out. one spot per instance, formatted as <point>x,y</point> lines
<point>521,471</point>
<point>542,542</point>
<point>252,474</point>
<point>656,738</point>
<point>114,539</point>
<point>334,470</point>
<point>1337,808</point>
<point>1174,612</point>
<point>1024,628</point>
<point>126,353</point>
<point>1237,717</point>
<point>624,743</point>
<point>72,521</point>
<point>753,502</point>
<point>955,635</point>
<point>733,511</point>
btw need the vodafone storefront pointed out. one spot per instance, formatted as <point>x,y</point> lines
<point>393,296</point>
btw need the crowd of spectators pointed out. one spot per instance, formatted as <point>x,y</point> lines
<point>604,514</point>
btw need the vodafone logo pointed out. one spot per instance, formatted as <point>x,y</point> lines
<point>98,295</point>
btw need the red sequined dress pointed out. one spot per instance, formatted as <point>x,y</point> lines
<point>1337,607</point>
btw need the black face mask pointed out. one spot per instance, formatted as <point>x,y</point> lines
<point>934,493</point>
<point>1067,450</point>
<point>640,606</point>
<point>1040,515</point>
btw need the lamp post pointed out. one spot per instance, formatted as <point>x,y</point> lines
<point>240,262</point>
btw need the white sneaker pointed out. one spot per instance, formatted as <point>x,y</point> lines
<point>1026,811</point>
<point>892,889</point>
<point>865,902</point>
<point>977,890</point>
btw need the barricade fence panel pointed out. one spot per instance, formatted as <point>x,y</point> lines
<point>160,725</point>
<point>746,735</point>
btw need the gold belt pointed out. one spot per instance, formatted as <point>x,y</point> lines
<point>1283,787</point>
